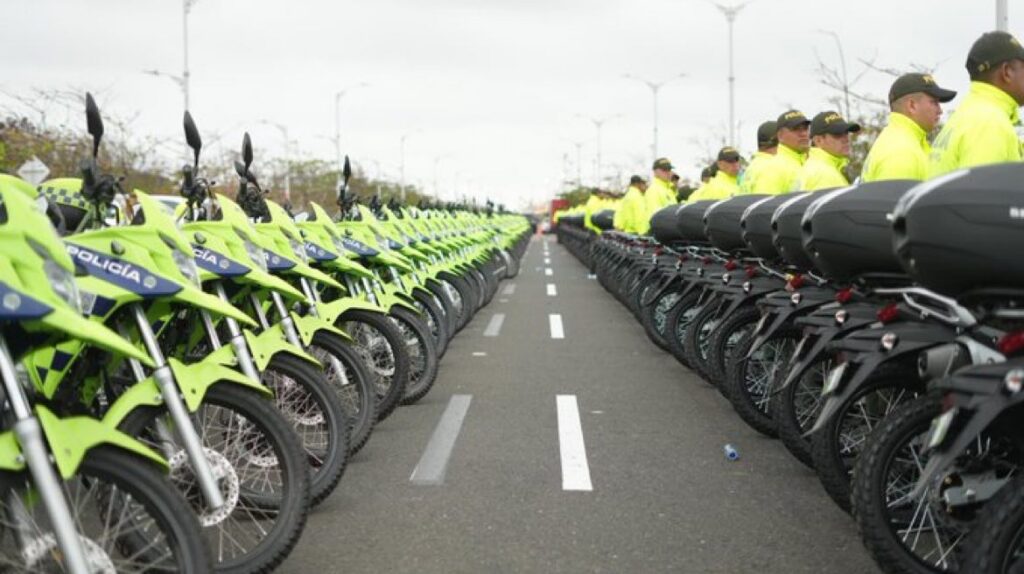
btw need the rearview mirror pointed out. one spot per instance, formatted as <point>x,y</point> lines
<point>192,136</point>
<point>346,172</point>
<point>94,122</point>
<point>240,169</point>
<point>247,150</point>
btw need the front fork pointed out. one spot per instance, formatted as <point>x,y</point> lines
<point>33,447</point>
<point>164,378</point>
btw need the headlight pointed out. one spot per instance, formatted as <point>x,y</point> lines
<point>256,254</point>
<point>187,266</point>
<point>63,284</point>
<point>299,250</point>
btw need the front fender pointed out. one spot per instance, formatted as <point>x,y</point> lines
<point>71,438</point>
<point>270,342</point>
<point>391,300</point>
<point>308,326</point>
<point>332,311</point>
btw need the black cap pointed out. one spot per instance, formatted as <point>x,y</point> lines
<point>728,153</point>
<point>832,123</point>
<point>767,134</point>
<point>792,119</point>
<point>992,49</point>
<point>705,173</point>
<point>662,163</point>
<point>914,83</point>
<point>636,179</point>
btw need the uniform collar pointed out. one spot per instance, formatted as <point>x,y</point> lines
<point>906,124</point>
<point>762,154</point>
<point>834,160</point>
<point>722,176</point>
<point>786,151</point>
<point>999,98</point>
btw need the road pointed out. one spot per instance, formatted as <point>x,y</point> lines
<point>507,489</point>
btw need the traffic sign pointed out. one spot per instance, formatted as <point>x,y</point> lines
<point>33,171</point>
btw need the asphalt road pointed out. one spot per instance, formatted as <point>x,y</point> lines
<point>663,497</point>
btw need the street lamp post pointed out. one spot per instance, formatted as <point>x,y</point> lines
<point>730,13</point>
<point>598,124</point>
<point>401,162</point>
<point>437,160</point>
<point>1002,16</point>
<point>186,6</point>
<point>654,86</point>
<point>287,157</point>
<point>337,123</point>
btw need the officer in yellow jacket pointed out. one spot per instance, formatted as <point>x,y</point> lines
<point>901,150</point>
<point>632,216</point>
<point>767,144</point>
<point>829,156</point>
<point>723,185</point>
<point>662,192</point>
<point>983,130</point>
<point>780,173</point>
<point>595,203</point>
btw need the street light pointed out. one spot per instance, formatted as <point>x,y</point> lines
<point>598,124</point>
<point>401,169</point>
<point>730,13</point>
<point>654,86</point>
<point>437,160</point>
<point>1002,16</point>
<point>287,157</point>
<point>337,122</point>
<point>842,67</point>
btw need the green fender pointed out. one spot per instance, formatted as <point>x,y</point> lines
<point>390,300</point>
<point>331,312</point>
<point>70,439</point>
<point>271,342</point>
<point>193,380</point>
<point>308,326</point>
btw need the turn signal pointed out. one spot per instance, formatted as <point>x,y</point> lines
<point>795,282</point>
<point>844,295</point>
<point>1011,343</point>
<point>889,313</point>
<point>751,271</point>
<point>730,265</point>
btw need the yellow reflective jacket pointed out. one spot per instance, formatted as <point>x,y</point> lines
<point>981,131</point>
<point>779,174</point>
<point>593,205</point>
<point>722,186</point>
<point>632,216</point>
<point>900,152</point>
<point>749,177</point>
<point>659,194</point>
<point>822,170</point>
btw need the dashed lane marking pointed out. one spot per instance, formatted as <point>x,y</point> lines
<point>575,470</point>
<point>434,462</point>
<point>494,326</point>
<point>555,322</point>
<point>547,271</point>
<point>509,289</point>
<point>547,261</point>
<point>552,290</point>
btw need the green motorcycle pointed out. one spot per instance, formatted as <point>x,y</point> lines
<point>76,495</point>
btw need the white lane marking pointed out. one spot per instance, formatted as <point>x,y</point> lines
<point>547,261</point>
<point>547,271</point>
<point>552,290</point>
<point>479,354</point>
<point>494,326</point>
<point>509,289</point>
<point>575,470</point>
<point>555,322</point>
<point>434,462</point>
<point>502,300</point>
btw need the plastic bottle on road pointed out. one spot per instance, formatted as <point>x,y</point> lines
<point>731,453</point>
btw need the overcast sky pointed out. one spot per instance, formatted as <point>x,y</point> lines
<point>493,87</point>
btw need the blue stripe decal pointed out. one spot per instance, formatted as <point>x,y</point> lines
<point>121,273</point>
<point>215,262</point>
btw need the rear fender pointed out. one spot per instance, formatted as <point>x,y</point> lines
<point>777,309</point>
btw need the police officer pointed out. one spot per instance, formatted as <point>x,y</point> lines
<point>767,144</point>
<point>723,185</point>
<point>780,173</point>
<point>661,193</point>
<point>632,216</point>
<point>830,134</point>
<point>594,203</point>
<point>901,150</point>
<point>983,129</point>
